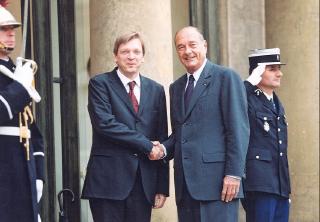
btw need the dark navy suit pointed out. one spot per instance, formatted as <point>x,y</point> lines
<point>210,138</point>
<point>267,169</point>
<point>121,140</point>
<point>17,174</point>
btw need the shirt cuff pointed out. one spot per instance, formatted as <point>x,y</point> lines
<point>234,177</point>
<point>164,151</point>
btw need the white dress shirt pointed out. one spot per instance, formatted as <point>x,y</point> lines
<point>196,74</point>
<point>125,81</point>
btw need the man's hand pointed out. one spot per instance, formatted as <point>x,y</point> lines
<point>39,186</point>
<point>24,75</point>
<point>159,201</point>
<point>230,188</point>
<point>256,74</point>
<point>157,151</point>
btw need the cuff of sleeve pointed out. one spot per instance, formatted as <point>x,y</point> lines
<point>234,177</point>
<point>40,167</point>
<point>164,151</point>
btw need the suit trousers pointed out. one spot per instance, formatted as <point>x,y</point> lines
<point>265,207</point>
<point>191,210</point>
<point>135,208</point>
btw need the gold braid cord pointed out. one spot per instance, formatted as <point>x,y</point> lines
<point>26,117</point>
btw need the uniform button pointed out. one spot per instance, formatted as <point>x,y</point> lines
<point>281,154</point>
<point>278,117</point>
<point>280,141</point>
<point>265,118</point>
<point>257,157</point>
<point>279,129</point>
<point>135,154</point>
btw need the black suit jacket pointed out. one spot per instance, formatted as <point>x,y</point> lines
<point>210,139</point>
<point>121,139</point>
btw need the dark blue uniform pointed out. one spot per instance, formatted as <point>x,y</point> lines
<point>267,172</point>
<point>17,174</point>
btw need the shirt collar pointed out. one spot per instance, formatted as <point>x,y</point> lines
<point>197,73</point>
<point>125,80</point>
<point>269,97</point>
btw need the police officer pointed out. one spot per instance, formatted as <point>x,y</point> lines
<point>21,144</point>
<point>267,184</point>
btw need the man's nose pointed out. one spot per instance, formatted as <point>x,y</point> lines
<point>188,50</point>
<point>11,32</point>
<point>131,55</point>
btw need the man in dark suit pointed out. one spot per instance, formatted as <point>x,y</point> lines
<point>128,113</point>
<point>210,132</point>
<point>267,183</point>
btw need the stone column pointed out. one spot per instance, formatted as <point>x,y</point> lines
<point>244,30</point>
<point>293,26</point>
<point>109,19</point>
<point>152,18</point>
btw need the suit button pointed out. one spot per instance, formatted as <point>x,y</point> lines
<point>281,154</point>
<point>257,157</point>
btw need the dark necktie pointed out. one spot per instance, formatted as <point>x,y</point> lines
<point>273,104</point>
<point>133,98</point>
<point>188,92</point>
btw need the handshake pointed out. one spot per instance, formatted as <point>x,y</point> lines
<point>158,151</point>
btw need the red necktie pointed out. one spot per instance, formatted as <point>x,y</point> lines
<point>133,98</point>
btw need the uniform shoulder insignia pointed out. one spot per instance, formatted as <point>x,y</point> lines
<point>258,92</point>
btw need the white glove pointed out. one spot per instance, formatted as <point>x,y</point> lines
<point>256,74</point>
<point>24,75</point>
<point>39,218</point>
<point>39,186</point>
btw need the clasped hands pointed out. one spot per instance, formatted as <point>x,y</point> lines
<point>157,151</point>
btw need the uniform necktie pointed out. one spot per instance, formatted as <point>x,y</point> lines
<point>188,92</point>
<point>133,98</point>
<point>273,104</point>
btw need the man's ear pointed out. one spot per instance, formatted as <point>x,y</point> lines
<point>206,45</point>
<point>115,59</point>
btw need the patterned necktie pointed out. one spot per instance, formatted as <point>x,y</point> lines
<point>188,92</point>
<point>133,98</point>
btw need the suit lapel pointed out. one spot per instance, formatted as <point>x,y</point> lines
<point>144,94</point>
<point>180,90</point>
<point>268,104</point>
<point>202,84</point>
<point>119,89</point>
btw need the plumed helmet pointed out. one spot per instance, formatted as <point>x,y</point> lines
<point>7,19</point>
